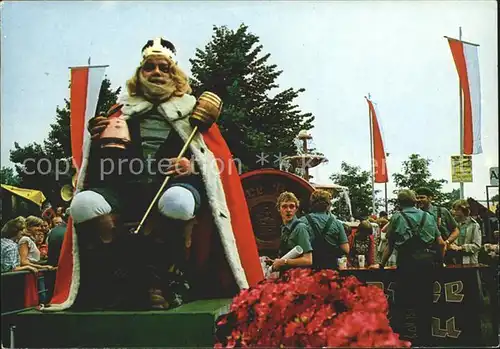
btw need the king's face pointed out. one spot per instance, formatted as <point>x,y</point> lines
<point>156,70</point>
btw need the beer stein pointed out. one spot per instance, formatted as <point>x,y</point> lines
<point>116,134</point>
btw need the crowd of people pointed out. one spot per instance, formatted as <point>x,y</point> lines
<point>458,234</point>
<point>32,243</point>
<point>418,238</point>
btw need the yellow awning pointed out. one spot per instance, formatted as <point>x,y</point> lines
<point>33,195</point>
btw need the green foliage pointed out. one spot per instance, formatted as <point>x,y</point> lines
<point>7,176</point>
<point>495,198</point>
<point>233,66</point>
<point>415,173</point>
<point>43,167</point>
<point>360,191</point>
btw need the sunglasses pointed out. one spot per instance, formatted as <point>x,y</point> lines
<point>290,206</point>
<point>149,67</point>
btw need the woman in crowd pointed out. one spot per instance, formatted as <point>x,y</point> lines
<point>468,243</point>
<point>493,249</point>
<point>380,238</point>
<point>362,242</point>
<point>11,233</point>
<point>41,244</point>
<point>28,250</point>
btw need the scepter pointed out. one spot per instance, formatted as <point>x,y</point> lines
<point>205,114</point>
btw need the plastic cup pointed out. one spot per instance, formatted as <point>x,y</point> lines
<point>361,260</point>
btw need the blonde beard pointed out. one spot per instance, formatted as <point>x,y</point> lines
<point>155,92</point>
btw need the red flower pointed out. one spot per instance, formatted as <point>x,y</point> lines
<point>308,308</point>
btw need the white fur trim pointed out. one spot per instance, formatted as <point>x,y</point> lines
<point>75,281</point>
<point>133,105</point>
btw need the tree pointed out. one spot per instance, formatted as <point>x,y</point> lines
<point>47,167</point>
<point>494,198</point>
<point>415,173</point>
<point>7,176</point>
<point>233,66</point>
<point>360,191</point>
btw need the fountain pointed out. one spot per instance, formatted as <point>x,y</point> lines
<point>304,160</point>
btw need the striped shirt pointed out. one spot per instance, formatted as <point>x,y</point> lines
<point>10,255</point>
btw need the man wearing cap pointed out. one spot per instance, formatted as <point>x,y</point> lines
<point>414,234</point>
<point>447,225</point>
<point>199,230</point>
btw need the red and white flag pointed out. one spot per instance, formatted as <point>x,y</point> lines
<point>84,92</point>
<point>466,60</point>
<point>379,161</point>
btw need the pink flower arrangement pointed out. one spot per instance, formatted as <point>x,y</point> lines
<point>307,308</point>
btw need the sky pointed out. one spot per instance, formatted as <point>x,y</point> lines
<point>338,51</point>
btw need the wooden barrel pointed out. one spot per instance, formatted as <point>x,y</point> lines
<point>262,188</point>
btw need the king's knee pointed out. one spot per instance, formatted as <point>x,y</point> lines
<point>87,205</point>
<point>177,203</point>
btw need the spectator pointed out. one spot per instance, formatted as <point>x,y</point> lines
<point>46,226</point>
<point>293,233</point>
<point>27,243</point>
<point>328,237</point>
<point>469,240</point>
<point>414,233</point>
<point>41,244</point>
<point>361,242</point>
<point>28,251</point>
<point>445,222</point>
<point>54,241</point>
<point>57,220</point>
<point>382,222</point>
<point>493,249</point>
<point>383,215</point>
<point>60,211</point>
<point>11,232</point>
<point>381,243</point>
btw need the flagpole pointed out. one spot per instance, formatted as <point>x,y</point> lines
<point>370,118</point>
<point>89,66</point>
<point>463,41</point>
<point>461,120</point>
<point>385,188</point>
